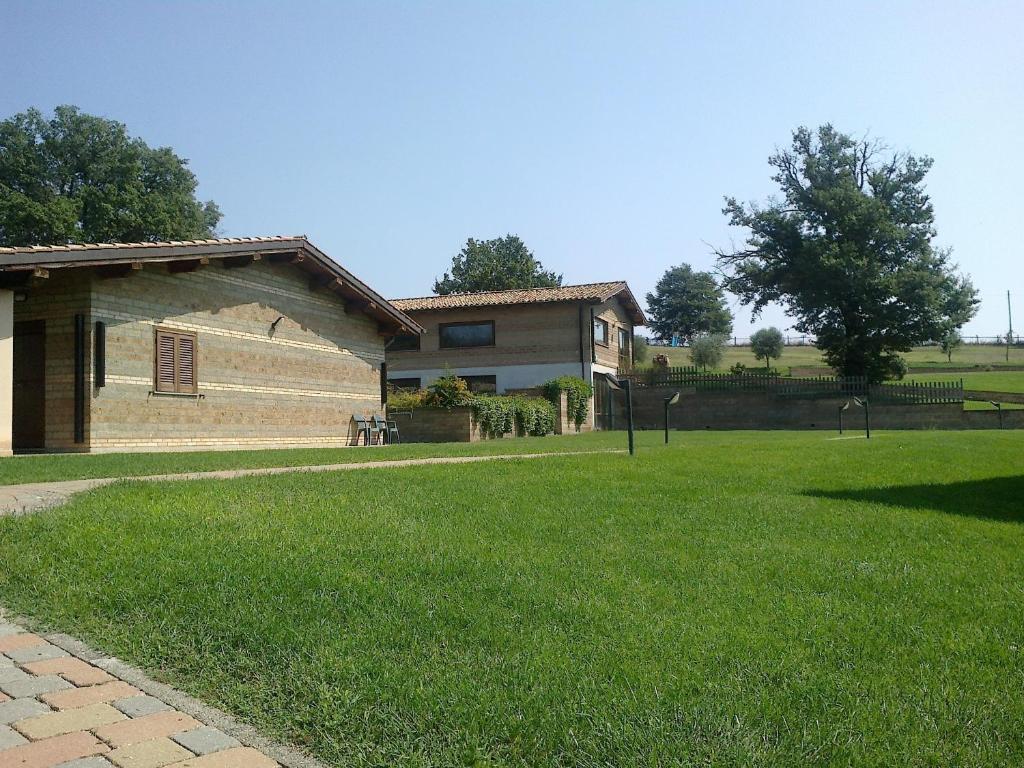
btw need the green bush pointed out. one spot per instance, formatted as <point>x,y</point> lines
<point>577,394</point>
<point>503,414</point>
<point>406,400</point>
<point>448,392</point>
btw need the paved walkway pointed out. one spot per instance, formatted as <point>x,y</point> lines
<point>63,705</point>
<point>31,497</point>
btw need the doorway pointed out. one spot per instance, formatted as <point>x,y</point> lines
<point>29,427</point>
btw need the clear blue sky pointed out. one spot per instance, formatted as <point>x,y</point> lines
<point>605,135</point>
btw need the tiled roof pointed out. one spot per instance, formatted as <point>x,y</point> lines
<point>338,279</point>
<point>588,292</point>
<point>156,244</point>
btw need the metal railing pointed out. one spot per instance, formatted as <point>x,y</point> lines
<point>909,392</point>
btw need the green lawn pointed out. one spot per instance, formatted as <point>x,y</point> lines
<point>987,381</point>
<point>32,469</point>
<point>734,599</point>
<point>921,357</point>
<point>985,405</point>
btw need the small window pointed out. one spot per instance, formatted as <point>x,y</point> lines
<point>405,342</point>
<point>406,385</point>
<point>175,368</point>
<point>455,335</point>
<point>600,331</point>
<point>623,342</point>
<point>481,385</point>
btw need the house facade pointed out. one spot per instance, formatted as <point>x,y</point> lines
<point>215,344</point>
<point>508,340</point>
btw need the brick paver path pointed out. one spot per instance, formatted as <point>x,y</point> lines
<point>20,499</point>
<point>58,710</point>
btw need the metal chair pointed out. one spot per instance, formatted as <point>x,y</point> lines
<point>362,429</point>
<point>378,430</point>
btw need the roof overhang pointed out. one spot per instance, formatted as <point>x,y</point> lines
<point>629,303</point>
<point>324,272</point>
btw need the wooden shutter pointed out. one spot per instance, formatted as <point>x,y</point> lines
<point>176,362</point>
<point>165,362</point>
<point>186,363</point>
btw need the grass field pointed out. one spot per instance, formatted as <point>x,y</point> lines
<point>733,599</point>
<point>42,468</point>
<point>988,381</point>
<point>924,357</point>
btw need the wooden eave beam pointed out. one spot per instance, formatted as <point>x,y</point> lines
<point>285,258</point>
<point>122,269</point>
<point>187,265</point>
<point>244,260</point>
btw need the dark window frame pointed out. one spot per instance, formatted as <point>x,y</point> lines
<point>624,342</point>
<point>444,326</point>
<point>488,379</point>
<point>177,388</point>
<point>607,329</point>
<point>393,385</point>
<point>413,343</point>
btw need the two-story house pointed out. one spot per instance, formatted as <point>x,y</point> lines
<point>517,339</point>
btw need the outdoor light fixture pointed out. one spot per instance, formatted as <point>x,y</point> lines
<point>867,415</point>
<point>670,400</point>
<point>273,325</point>
<point>844,407</point>
<point>999,410</point>
<point>626,386</point>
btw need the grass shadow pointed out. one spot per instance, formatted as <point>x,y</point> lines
<point>994,498</point>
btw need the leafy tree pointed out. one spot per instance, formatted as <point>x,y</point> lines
<point>688,303</point>
<point>848,250</point>
<point>641,349</point>
<point>767,344</point>
<point>950,342</point>
<point>707,350</point>
<point>495,265</point>
<point>82,178</point>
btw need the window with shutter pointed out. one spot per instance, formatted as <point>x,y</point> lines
<point>186,363</point>
<point>175,362</point>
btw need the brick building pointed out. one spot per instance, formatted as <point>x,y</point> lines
<point>517,339</point>
<point>231,343</point>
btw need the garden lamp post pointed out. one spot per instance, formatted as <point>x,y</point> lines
<point>844,407</point>
<point>999,410</point>
<point>624,385</point>
<point>867,415</point>
<point>670,400</point>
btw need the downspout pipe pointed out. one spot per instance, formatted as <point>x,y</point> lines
<point>583,360</point>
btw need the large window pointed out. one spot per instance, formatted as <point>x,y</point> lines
<point>601,332</point>
<point>175,367</point>
<point>404,343</point>
<point>481,385</point>
<point>456,335</point>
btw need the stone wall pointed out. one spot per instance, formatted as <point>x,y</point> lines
<point>437,425</point>
<point>295,384</point>
<point>753,410</point>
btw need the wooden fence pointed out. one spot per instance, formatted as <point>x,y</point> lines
<point>908,392</point>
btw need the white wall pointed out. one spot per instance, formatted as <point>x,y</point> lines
<point>507,376</point>
<point>6,370</point>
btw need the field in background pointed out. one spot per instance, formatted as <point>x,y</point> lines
<point>732,599</point>
<point>793,356</point>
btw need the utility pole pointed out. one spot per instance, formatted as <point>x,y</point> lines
<point>1009,335</point>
